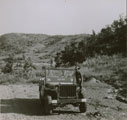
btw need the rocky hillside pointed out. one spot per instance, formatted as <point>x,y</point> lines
<point>39,47</point>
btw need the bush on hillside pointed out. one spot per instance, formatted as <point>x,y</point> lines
<point>9,64</point>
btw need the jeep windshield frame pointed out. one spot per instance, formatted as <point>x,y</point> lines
<point>60,75</point>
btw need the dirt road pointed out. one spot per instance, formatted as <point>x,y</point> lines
<point>21,102</point>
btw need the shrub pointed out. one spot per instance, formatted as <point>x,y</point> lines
<point>9,64</point>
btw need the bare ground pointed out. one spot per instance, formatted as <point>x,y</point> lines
<point>21,102</point>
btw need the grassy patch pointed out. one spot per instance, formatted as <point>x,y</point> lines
<point>110,69</point>
<point>10,79</point>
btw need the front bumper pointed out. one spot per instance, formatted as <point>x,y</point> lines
<point>68,101</point>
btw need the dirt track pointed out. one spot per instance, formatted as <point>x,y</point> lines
<point>21,102</point>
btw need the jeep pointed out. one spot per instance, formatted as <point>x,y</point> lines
<point>59,88</point>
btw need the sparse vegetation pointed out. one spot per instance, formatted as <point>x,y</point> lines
<point>110,69</point>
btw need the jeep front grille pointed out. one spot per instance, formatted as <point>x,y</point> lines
<point>67,91</point>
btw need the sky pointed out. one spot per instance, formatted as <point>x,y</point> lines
<point>55,17</point>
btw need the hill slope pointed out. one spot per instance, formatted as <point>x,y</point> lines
<point>39,47</point>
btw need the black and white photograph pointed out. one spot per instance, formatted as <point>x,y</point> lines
<point>63,60</point>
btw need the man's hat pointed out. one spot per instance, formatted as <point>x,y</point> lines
<point>77,67</point>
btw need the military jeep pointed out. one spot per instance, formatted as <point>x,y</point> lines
<point>59,88</point>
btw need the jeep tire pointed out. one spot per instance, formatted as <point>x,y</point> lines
<point>48,105</point>
<point>82,107</point>
<point>42,99</point>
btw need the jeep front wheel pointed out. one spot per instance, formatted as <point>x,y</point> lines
<point>48,105</point>
<point>82,107</point>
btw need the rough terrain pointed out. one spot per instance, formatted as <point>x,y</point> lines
<point>21,102</point>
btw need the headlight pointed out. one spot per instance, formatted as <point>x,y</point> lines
<point>48,79</point>
<point>42,78</point>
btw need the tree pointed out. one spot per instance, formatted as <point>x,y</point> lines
<point>110,40</point>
